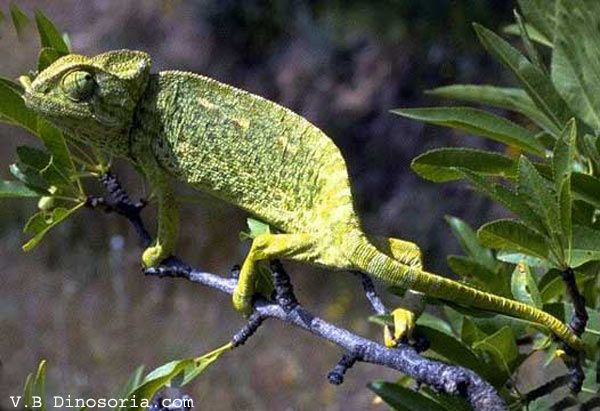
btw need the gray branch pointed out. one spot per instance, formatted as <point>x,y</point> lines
<point>445,378</point>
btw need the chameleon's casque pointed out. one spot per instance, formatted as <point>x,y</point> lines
<point>245,150</point>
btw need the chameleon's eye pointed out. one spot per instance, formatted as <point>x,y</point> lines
<point>78,85</point>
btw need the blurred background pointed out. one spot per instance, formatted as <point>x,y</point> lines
<point>79,300</point>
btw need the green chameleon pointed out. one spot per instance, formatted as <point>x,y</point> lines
<point>245,150</point>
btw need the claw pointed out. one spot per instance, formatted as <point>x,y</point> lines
<point>404,324</point>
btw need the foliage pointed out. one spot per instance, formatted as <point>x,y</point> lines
<point>544,179</point>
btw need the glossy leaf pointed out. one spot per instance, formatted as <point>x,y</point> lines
<point>12,107</point>
<point>163,375</point>
<point>576,57</point>
<point>448,348</point>
<point>479,275</point>
<point>478,122</point>
<point>47,56</point>
<point>535,82</point>
<point>402,398</point>
<point>470,243</point>
<point>509,199</point>
<point>540,14</point>
<point>513,235</point>
<point>513,99</point>
<point>19,19</point>
<point>586,188</point>
<point>524,287</point>
<point>446,164</point>
<point>49,34</point>
<point>13,189</point>
<point>502,347</point>
<point>534,34</point>
<point>538,194</point>
<point>586,245</point>
<point>40,223</point>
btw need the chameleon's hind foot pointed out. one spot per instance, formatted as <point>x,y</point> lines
<point>404,325</point>
<point>169,267</point>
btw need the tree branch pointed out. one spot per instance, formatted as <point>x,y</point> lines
<point>453,380</point>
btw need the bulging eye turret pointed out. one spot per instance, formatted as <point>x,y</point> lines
<point>79,86</point>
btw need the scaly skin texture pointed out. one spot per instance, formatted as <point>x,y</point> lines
<point>247,151</point>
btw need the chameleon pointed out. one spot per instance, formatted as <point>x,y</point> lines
<point>248,151</point>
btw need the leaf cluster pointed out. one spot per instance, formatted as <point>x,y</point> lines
<point>547,178</point>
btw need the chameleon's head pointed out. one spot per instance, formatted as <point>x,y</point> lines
<point>93,99</point>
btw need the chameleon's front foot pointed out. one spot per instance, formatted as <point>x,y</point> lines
<point>404,325</point>
<point>242,302</point>
<point>154,255</point>
<point>169,267</point>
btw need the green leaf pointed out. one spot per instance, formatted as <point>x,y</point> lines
<point>586,245</point>
<point>479,275</point>
<point>39,388</point>
<point>448,348</point>
<point>470,332</point>
<point>49,34</point>
<point>30,177</point>
<point>516,258</point>
<point>538,195</point>
<point>12,107</point>
<point>514,99</point>
<point>564,154</point>
<point>524,287</point>
<point>591,148</point>
<point>527,43</point>
<point>477,122</point>
<point>19,19</point>
<point>55,142</point>
<point>132,382</point>
<point>402,398</point>
<point>429,320</point>
<point>162,376</point>
<point>540,14</point>
<point>586,188</point>
<point>509,199</point>
<point>501,347</point>
<point>47,56</point>
<point>446,164</point>
<point>513,235</point>
<point>40,223</point>
<point>535,82</point>
<point>534,34</point>
<point>257,227</point>
<point>576,58</point>
<point>10,189</point>
<point>202,363</point>
<point>469,242</point>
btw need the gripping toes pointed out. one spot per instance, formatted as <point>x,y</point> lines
<point>404,324</point>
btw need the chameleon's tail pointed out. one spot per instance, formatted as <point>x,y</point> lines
<point>369,259</point>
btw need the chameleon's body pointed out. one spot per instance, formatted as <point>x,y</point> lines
<point>245,150</point>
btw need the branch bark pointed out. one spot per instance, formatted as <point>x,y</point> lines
<point>445,378</point>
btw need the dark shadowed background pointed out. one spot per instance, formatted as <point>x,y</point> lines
<point>79,299</point>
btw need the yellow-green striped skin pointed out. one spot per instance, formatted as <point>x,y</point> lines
<point>250,152</point>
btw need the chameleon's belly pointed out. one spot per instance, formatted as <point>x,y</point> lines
<point>250,152</point>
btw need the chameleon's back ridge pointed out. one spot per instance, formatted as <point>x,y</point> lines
<point>252,152</point>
